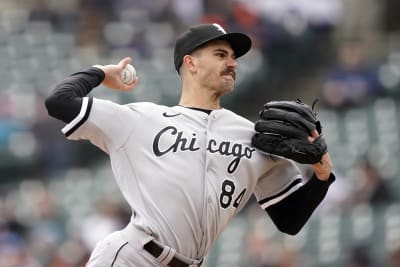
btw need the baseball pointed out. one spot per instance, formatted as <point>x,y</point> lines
<point>128,74</point>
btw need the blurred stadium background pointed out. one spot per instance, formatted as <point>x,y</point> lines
<point>57,198</point>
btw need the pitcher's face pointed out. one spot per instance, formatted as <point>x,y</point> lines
<point>216,66</point>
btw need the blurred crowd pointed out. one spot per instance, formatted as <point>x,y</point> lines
<point>344,52</point>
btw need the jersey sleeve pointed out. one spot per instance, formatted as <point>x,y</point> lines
<point>104,123</point>
<point>279,182</point>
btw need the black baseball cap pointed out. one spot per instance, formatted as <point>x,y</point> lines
<point>201,34</point>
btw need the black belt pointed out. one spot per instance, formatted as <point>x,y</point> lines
<point>156,250</point>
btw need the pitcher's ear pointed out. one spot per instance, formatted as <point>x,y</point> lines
<point>189,62</point>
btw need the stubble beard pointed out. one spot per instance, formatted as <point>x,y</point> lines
<point>220,84</point>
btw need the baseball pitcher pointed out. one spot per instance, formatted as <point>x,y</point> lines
<point>187,170</point>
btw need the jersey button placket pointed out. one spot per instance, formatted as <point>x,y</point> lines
<point>211,167</point>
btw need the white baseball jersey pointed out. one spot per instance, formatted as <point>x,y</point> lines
<point>185,173</point>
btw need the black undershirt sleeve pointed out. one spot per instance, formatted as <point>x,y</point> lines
<point>65,101</point>
<point>292,213</point>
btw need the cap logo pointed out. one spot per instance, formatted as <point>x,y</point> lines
<point>219,28</point>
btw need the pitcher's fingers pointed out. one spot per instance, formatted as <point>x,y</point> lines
<point>134,82</point>
<point>128,87</point>
<point>125,61</point>
<point>314,133</point>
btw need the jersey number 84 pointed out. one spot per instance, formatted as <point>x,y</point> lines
<point>228,197</point>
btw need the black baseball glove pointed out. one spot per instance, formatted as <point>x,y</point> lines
<point>284,128</point>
